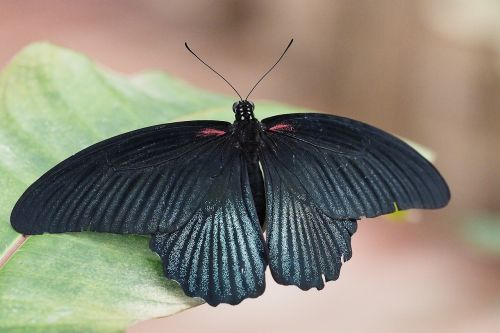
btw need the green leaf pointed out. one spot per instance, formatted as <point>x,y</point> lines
<point>483,231</point>
<point>53,103</point>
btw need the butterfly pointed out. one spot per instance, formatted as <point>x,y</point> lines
<point>207,191</point>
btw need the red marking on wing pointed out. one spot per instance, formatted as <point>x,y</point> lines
<point>281,127</point>
<point>211,132</point>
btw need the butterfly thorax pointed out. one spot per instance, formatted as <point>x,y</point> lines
<point>246,127</point>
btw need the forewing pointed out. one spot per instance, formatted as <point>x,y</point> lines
<point>349,169</point>
<point>146,181</point>
<point>219,253</point>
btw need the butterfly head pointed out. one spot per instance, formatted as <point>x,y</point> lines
<point>243,110</point>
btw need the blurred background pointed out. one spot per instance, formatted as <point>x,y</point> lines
<point>425,70</point>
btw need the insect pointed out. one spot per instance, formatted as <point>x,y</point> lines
<point>206,191</point>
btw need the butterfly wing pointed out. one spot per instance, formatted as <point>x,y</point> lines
<point>219,255</point>
<point>306,246</point>
<point>185,183</point>
<point>322,173</point>
<point>351,169</point>
<point>141,182</point>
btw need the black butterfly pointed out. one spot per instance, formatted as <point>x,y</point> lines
<point>198,189</point>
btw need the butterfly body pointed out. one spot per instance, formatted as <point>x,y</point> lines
<point>248,130</point>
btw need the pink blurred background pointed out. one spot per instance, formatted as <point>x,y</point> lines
<point>426,70</point>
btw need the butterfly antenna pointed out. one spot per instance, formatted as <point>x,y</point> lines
<point>270,69</point>
<point>213,70</point>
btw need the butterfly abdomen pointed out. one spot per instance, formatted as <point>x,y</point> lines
<point>257,186</point>
<point>249,141</point>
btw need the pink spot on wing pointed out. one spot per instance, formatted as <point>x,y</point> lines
<point>211,132</point>
<point>281,127</point>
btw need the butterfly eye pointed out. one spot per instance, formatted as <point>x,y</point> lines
<point>235,105</point>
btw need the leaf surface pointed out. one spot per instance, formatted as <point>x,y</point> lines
<point>53,103</point>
